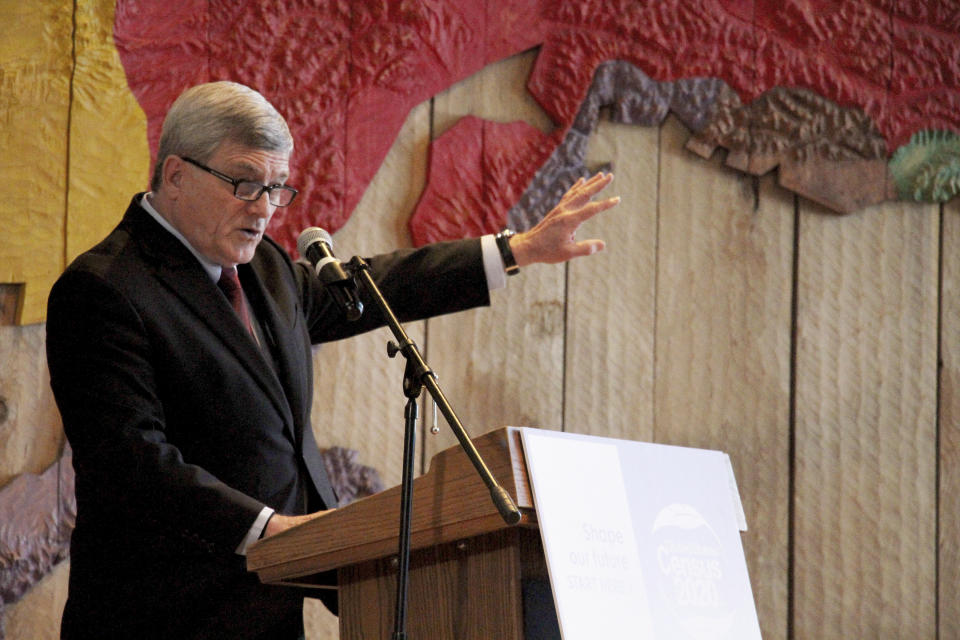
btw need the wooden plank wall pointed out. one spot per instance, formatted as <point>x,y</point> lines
<point>866,440</point>
<point>948,514</point>
<point>725,313</point>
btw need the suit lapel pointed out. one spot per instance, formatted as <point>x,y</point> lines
<point>180,271</point>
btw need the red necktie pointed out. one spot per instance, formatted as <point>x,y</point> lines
<point>229,283</point>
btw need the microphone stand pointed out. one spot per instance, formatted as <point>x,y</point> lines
<point>417,375</point>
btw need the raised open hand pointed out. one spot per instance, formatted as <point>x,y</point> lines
<point>553,239</point>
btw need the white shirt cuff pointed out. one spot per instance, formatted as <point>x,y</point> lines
<point>493,263</point>
<point>255,531</point>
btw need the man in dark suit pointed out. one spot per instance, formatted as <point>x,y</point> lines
<point>189,418</point>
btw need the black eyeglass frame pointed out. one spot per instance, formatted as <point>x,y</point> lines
<point>269,189</point>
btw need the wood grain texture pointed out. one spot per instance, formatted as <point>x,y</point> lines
<point>504,364</point>
<point>948,558</point>
<point>722,371</point>
<point>496,93</point>
<point>608,382</point>
<point>865,495</point>
<point>465,579</point>
<point>450,502</point>
<point>358,399</point>
<point>470,590</point>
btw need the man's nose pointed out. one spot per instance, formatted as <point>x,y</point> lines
<point>261,206</point>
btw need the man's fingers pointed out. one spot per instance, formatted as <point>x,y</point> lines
<point>589,247</point>
<point>597,182</point>
<point>587,211</point>
<point>582,191</point>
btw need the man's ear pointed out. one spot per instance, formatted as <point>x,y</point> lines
<point>172,174</point>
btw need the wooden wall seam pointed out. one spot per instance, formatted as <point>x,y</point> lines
<point>792,421</point>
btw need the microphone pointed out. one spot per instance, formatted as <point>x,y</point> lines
<point>315,245</point>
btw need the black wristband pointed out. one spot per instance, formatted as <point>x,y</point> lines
<point>506,254</point>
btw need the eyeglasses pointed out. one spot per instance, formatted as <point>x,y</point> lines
<point>279,195</point>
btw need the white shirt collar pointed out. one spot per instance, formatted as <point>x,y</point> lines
<point>212,268</point>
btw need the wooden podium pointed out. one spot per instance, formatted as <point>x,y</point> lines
<point>471,575</point>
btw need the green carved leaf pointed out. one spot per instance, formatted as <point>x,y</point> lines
<point>927,169</point>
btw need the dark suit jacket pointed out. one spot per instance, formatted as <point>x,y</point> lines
<point>182,428</point>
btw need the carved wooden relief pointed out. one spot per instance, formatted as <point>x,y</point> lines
<point>866,83</point>
<point>826,91</point>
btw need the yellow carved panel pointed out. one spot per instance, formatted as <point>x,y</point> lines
<point>73,143</point>
<point>35,64</point>
<point>109,155</point>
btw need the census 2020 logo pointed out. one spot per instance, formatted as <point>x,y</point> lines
<point>694,582</point>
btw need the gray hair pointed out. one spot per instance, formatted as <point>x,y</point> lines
<point>209,114</point>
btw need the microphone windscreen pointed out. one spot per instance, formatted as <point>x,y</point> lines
<point>310,235</point>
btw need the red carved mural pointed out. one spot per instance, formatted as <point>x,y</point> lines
<point>853,101</point>
<point>346,75</point>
